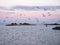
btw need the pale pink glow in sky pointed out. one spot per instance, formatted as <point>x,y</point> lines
<point>33,15</point>
<point>27,15</point>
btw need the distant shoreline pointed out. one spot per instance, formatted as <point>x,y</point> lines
<point>52,24</point>
<point>20,24</point>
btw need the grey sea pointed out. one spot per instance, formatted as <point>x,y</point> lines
<point>29,35</point>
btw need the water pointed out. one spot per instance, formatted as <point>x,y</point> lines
<point>29,35</point>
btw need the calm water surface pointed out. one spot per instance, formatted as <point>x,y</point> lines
<point>29,35</point>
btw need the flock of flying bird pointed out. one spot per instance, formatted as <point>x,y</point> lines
<point>37,20</point>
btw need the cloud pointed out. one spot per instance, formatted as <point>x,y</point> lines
<point>9,3</point>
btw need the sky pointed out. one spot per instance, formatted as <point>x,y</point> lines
<point>36,16</point>
<point>9,3</point>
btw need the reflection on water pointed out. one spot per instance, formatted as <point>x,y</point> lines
<point>29,35</point>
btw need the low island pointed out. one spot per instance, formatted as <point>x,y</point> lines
<point>15,24</point>
<point>52,24</point>
<point>56,28</point>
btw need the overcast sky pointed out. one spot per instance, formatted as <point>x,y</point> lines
<point>8,3</point>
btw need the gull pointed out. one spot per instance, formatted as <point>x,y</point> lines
<point>49,14</point>
<point>29,19</point>
<point>20,14</point>
<point>37,19</point>
<point>45,9</point>
<point>6,17</point>
<point>4,20</point>
<point>43,15</point>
